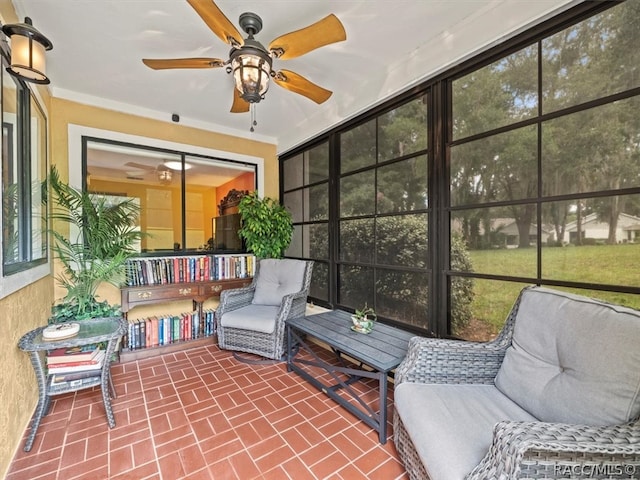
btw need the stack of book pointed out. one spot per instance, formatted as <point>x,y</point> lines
<point>74,366</point>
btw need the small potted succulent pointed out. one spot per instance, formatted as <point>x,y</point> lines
<point>363,319</point>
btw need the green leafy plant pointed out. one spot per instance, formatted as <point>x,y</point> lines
<point>363,319</point>
<point>266,225</point>
<point>365,313</point>
<point>100,239</point>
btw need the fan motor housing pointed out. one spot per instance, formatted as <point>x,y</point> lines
<point>250,22</point>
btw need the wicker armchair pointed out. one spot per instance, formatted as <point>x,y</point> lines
<point>517,449</point>
<point>252,319</point>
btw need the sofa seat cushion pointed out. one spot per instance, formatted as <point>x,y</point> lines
<point>277,278</point>
<point>259,318</point>
<point>451,426</point>
<point>573,359</point>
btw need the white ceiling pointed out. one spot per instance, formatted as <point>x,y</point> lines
<point>391,45</point>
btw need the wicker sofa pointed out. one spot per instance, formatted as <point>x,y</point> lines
<point>555,395</point>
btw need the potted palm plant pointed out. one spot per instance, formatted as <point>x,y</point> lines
<point>93,237</point>
<point>266,226</point>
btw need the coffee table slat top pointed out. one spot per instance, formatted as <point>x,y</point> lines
<point>384,348</point>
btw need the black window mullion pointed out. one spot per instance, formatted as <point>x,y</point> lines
<point>24,174</point>
<point>439,228</point>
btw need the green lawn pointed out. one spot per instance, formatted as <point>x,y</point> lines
<point>603,264</point>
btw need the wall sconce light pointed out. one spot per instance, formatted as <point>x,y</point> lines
<point>27,52</point>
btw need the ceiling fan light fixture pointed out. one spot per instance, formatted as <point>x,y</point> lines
<point>176,165</point>
<point>27,52</point>
<point>251,67</point>
<point>165,177</point>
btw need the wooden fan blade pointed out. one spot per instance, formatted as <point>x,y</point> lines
<point>240,105</point>
<point>139,166</point>
<point>163,64</point>
<point>217,22</point>
<point>326,31</point>
<point>298,84</point>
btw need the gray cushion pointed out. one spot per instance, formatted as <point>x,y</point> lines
<point>451,426</point>
<point>277,278</point>
<point>573,359</point>
<point>259,318</point>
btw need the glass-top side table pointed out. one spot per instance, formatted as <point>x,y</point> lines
<point>108,330</point>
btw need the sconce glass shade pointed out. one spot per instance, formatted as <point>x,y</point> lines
<point>27,52</point>
<point>251,66</point>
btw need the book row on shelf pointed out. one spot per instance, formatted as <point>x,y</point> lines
<point>163,330</point>
<point>188,269</point>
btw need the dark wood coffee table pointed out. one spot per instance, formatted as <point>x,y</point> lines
<point>378,353</point>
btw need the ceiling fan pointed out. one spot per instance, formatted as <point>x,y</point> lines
<point>163,173</point>
<point>250,62</point>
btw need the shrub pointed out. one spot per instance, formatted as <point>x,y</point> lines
<point>399,294</point>
<point>461,287</point>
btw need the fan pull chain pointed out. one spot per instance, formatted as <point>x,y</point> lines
<point>252,109</point>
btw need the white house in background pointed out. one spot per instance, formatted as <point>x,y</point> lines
<point>509,229</point>
<point>505,232</point>
<point>628,229</point>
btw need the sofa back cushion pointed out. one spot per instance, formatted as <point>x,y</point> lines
<point>277,278</point>
<point>573,359</point>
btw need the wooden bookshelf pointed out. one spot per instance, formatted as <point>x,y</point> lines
<point>197,292</point>
<point>160,284</point>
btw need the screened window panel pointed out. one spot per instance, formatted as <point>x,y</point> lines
<point>601,239</point>
<point>403,130</point>
<point>358,147</point>
<point>358,194</point>
<point>356,286</point>
<point>402,296</point>
<point>401,240</point>
<point>497,168</point>
<point>295,247</point>
<point>316,202</point>
<point>592,150</point>
<point>320,281</point>
<point>357,241</point>
<point>499,94</point>
<point>316,241</point>
<point>403,186</point>
<point>293,172</point>
<point>592,59</point>
<point>498,242</point>
<point>481,315</point>
<point>316,164</point>
<point>293,202</point>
